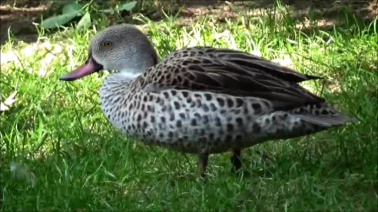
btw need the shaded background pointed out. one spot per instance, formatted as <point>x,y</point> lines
<point>19,15</point>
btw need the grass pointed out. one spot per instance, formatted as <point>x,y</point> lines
<point>81,163</point>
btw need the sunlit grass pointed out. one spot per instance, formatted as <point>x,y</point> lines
<point>82,163</point>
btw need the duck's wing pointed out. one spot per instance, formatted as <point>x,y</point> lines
<point>249,62</point>
<point>202,73</point>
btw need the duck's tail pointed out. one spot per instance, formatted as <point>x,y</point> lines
<point>298,122</point>
<point>322,115</point>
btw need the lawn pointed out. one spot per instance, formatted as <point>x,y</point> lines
<point>74,160</point>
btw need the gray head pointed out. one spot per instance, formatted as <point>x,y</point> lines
<point>121,47</point>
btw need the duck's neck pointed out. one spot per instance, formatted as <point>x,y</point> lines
<point>130,75</point>
<point>115,89</point>
<point>117,83</point>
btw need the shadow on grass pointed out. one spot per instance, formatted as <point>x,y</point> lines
<point>20,18</point>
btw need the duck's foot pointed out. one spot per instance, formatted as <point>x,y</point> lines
<point>202,163</point>
<point>235,160</point>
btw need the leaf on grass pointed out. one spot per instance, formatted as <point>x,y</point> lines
<point>8,102</point>
<point>70,11</point>
<point>84,22</point>
<point>72,7</point>
<point>128,6</point>
<point>57,21</point>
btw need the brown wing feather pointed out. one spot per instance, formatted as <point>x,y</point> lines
<point>250,63</point>
<point>216,74</point>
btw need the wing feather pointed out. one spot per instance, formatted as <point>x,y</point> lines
<point>234,73</point>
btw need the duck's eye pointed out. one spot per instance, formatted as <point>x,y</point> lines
<point>107,43</point>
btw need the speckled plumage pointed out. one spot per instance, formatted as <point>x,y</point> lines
<point>205,100</point>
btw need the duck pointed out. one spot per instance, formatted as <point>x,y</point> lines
<point>201,100</point>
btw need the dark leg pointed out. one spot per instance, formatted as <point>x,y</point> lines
<point>202,163</point>
<point>235,160</point>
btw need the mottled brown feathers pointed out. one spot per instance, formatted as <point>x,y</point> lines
<point>234,73</point>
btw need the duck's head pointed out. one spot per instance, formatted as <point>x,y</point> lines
<point>122,47</point>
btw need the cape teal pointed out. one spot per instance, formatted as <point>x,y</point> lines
<point>201,100</point>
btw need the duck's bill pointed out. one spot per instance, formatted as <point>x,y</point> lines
<point>88,68</point>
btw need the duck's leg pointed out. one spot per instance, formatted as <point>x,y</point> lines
<point>202,163</point>
<point>235,160</point>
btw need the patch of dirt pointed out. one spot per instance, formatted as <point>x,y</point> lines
<point>325,11</point>
<point>19,15</point>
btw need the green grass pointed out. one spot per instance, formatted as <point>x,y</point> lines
<point>81,163</point>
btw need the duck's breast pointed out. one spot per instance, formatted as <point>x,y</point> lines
<point>188,120</point>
